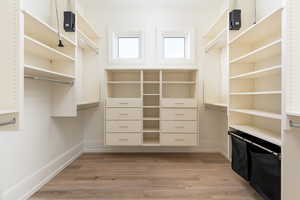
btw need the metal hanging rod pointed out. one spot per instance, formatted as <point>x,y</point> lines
<point>257,145</point>
<point>294,124</point>
<point>47,79</point>
<point>12,121</point>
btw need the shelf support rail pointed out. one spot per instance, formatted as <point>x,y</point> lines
<point>10,122</point>
<point>254,144</point>
<point>47,79</point>
<point>294,124</point>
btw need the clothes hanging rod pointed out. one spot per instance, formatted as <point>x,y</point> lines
<point>294,124</point>
<point>50,80</point>
<point>257,145</point>
<point>12,121</point>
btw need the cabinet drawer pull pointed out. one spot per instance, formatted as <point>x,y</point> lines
<point>123,126</point>
<point>179,127</point>
<point>179,103</point>
<point>123,103</point>
<point>124,114</point>
<point>179,140</point>
<point>123,139</point>
<point>179,114</point>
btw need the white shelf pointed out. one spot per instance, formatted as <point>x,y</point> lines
<point>259,73</point>
<point>220,24</point>
<point>44,51</point>
<point>262,29</point>
<point>263,134</point>
<point>85,42</point>
<point>6,112</point>
<point>151,119</point>
<point>87,105</point>
<point>258,113</point>
<point>124,82</point>
<point>86,27</point>
<point>151,130</point>
<point>256,93</point>
<point>293,114</point>
<point>43,31</point>
<point>151,82</point>
<point>180,82</point>
<point>267,51</point>
<point>151,94</point>
<point>218,42</point>
<point>219,105</point>
<point>36,71</point>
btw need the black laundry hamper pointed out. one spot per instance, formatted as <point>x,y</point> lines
<point>265,172</point>
<point>240,157</point>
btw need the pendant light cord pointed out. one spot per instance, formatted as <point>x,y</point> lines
<point>60,43</point>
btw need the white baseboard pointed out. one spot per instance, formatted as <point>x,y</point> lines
<point>31,184</point>
<point>96,147</point>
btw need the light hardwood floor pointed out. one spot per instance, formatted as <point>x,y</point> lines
<point>147,176</point>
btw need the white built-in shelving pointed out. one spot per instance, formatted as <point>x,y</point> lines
<point>143,95</point>
<point>255,79</point>
<point>89,69</point>
<point>215,83</point>
<point>40,72</point>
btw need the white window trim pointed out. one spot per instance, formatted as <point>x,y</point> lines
<point>113,47</point>
<point>190,50</point>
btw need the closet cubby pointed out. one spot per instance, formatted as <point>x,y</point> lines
<point>255,77</point>
<point>151,139</point>
<point>177,90</point>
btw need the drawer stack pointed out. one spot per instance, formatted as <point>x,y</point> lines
<point>179,124</point>
<point>123,122</point>
<point>151,108</point>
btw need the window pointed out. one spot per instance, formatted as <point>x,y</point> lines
<point>176,47</point>
<point>127,47</point>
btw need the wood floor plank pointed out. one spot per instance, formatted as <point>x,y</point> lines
<point>195,176</point>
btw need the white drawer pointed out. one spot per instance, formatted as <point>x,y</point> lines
<point>123,114</point>
<point>183,103</point>
<point>178,139</point>
<point>123,139</point>
<point>178,114</point>
<point>119,102</point>
<point>179,126</point>
<point>123,126</point>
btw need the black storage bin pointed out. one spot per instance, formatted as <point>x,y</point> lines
<point>240,158</point>
<point>265,172</point>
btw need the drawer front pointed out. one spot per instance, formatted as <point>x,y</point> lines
<point>179,126</point>
<point>123,126</point>
<point>123,139</point>
<point>123,114</point>
<point>178,114</point>
<point>118,102</point>
<point>183,103</point>
<point>178,139</point>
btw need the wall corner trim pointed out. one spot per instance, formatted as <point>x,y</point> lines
<point>31,184</point>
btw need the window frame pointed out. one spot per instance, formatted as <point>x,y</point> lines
<point>114,46</point>
<point>188,35</point>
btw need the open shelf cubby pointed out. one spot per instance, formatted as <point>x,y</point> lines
<point>151,139</point>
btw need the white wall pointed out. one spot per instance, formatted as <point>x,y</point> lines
<point>151,15</point>
<point>32,155</point>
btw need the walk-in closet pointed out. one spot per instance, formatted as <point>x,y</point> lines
<point>161,99</point>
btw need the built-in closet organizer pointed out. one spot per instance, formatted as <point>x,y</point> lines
<point>216,63</point>
<point>151,107</point>
<point>31,51</point>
